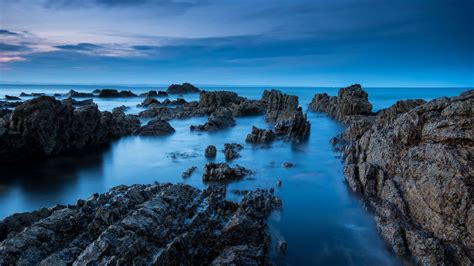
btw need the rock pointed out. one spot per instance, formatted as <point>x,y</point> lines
<point>220,119</point>
<point>210,151</point>
<point>73,93</point>
<point>231,150</point>
<point>288,164</point>
<point>223,172</point>
<point>111,93</point>
<point>160,224</point>
<point>155,128</point>
<point>12,98</point>
<point>280,106</point>
<point>279,183</point>
<point>248,108</point>
<point>33,94</point>
<point>189,172</point>
<point>413,163</point>
<point>154,94</point>
<point>71,101</point>
<point>281,246</point>
<point>179,101</point>
<point>349,102</point>
<point>121,108</point>
<point>296,127</point>
<point>7,104</point>
<point>260,135</point>
<point>182,89</point>
<point>148,101</point>
<point>45,126</point>
<point>215,99</point>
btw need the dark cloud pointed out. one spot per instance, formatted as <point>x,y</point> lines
<point>80,47</point>
<point>120,3</point>
<point>7,32</point>
<point>12,48</point>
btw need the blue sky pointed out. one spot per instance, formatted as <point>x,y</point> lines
<point>278,42</point>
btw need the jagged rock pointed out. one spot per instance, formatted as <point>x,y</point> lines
<point>220,119</point>
<point>12,98</point>
<point>260,135</point>
<point>155,128</point>
<point>295,127</point>
<point>413,162</point>
<point>215,99</point>
<point>160,224</point>
<point>148,101</point>
<point>33,94</point>
<point>231,150</point>
<point>280,106</point>
<point>183,111</point>
<point>46,127</point>
<point>189,172</point>
<point>248,108</point>
<point>154,94</point>
<point>179,101</point>
<point>110,93</point>
<point>349,102</point>
<point>210,151</point>
<point>73,93</point>
<point>223,172</point>
<point>182,89</point>
<point>73,102</point>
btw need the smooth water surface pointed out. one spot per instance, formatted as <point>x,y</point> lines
<point>322,222</point>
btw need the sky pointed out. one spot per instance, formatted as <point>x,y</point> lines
<point>386,43</point>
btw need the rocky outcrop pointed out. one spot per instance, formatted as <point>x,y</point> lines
<point>260,135</point>
<point>231,151</point>
<point>182,89</point>
<point>46,127</point>
<point>148,101</point>
<point>154,94</point>
<point>210,151</point>
<point>349,102</point>
<point>279,106</point>
<point>248,108</point>
<point>159,224</point>
<point>12,98</point>
<point>413,163</point>
<point>186,110</point>
<point>215,99</point>
<point>179,101</point>
<point>155,128</point>
<point>33,94</point>
<point>294,128</point>
<point>75,94</point>
<point>8,104</point>
<point>73,102</point>
<point>189,172</point>
<point>219,119</point>
<point>112,93</point>
<point>223,172</point>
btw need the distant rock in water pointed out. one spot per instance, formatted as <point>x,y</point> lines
<point>33,94</point>
<point>154,94</point>
<point>260,136</point>
<point>8,104</point>
<point>210,151</point>
<point>73,93</point>
<point>73,102</point>
<point>159,224</point>
<point>349,102</point>
<point>223,172</point>
<point>112,93</point>
<point>148,101</point>
<point>189,172</point>
<point>46,127</point>
<point>182,89</point>
<point>231,150</point>
<point>220,119</point>
<point>414,164</point>
<point>12,98</point>
<point>155,128</point>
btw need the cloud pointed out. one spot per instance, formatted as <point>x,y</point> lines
<point>57,4</point>
<point>79,47</point>
<point>7,32</point>
<point>12,48</point>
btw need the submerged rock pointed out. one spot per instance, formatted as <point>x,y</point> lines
<point>189,172</point>
<point>160,224</point>
<point>281,246</point>
<point>231,150</point>
<point>413,162</point>
<point>288,164</point>
<point>210,151</point>
<point>223,172</point>
<point>260,135</point>
<point>155,128</point>
<point>182,89</point>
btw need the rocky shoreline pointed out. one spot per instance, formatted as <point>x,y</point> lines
<point>413,165</point>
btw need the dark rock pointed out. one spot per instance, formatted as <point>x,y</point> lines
<point>215,99</point>
<point>279,183</point>
<point>413,163</point>
<point>182,89</point>
<point>33,94</point>
<point>179,101</point>
<point>280,106</point>
<point>349,102</point>
<point>189,172</point>
<point>154,94</point>
<point>260,135</point>
<point>281,246</point>
<point>220,119</point>
<point>73,93</point>
<point>12,98</point>
<point>7,104</point>
<point>159,224</point>
<point>248,108</point>
<point>210,151</point>
<point>148,101</point>
<point>288,164</point>
<point>295,127</point>
<point>111,93</point>
<point>231,150</point>
<point>73,102</point>
<point>155,128</point>
<point>223,172</point>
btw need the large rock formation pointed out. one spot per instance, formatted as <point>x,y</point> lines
<point>349,102</point>
<point>155,128</point>
<point>182,89</point>
<point>414,164</point>
<point>112,93</point>
<point>46,127</point>
<point>159,224</point>
<point>260,135</point>
<point>219,119</point>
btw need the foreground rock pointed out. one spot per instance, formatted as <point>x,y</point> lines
<point>231,151</point>
<point>182,89</point>
<point>260,136</point>
<point>223,172</point>
<point>155,128</point>
<point>160,224</point>
<point>414,164</point>
<point>349,102</point>
<point>46,127</point>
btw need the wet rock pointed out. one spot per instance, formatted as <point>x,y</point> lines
<point>154,94</point>
<point>111,93</point>
<point>223,172</point>
<point>33,94</point>
<point>280,106</point>
<point>260,135</point>
<point>12,98</point>
<point>179,101</point>
<point>215,99</point>
<point>281,246</point>
<point>295,128</point>
<point>155,128</point>
<point>71,101</point>
<point>73,93</point>
<point>279,183</point>
<point>210,151</point>
<point>189,172</point>
<point>413,163</point>
<point>349,102</point>
<point>288,164</point>
<point>160,224</point>
<point>220,119</point>
<point>7,104</point>
<point>182,89</point>
<point>231,151</point>
<point>248,108</point>
<point>148,101</point>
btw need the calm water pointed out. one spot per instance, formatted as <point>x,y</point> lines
<point>322,222</point>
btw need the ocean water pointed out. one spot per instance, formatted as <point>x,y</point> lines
<point>321,220</point>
